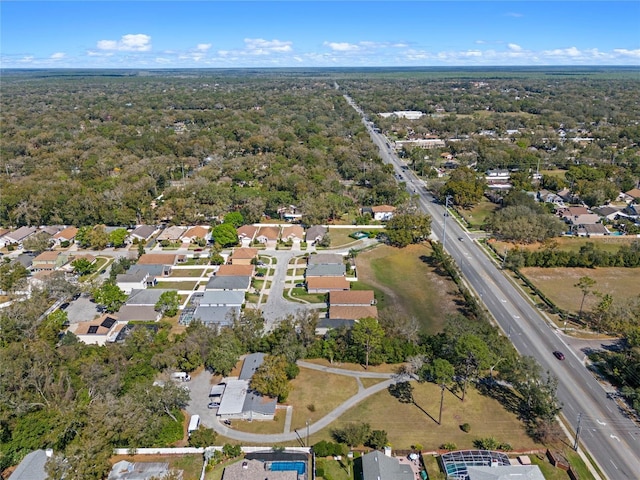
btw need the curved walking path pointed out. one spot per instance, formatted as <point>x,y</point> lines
<point>389,379</point>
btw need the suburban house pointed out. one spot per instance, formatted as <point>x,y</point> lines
<point>222,298</point>
<point>66,235</point>
<point>502,472</point>
<point>292,233</point>
<point>32,465</point>
<point>215,315</point>
<point>49,260</point>
<point>608,212</point>
<point>550,197</point>
<point>243,256</point>
<point>632,211</point>
<point>383,213</point>
<point>325,270</point>
<point>239,401</point>
<point>235,270</point>
<point>378,466</point>
<point>567,213</point>
<point>134,279</point>
<point>326,284</point>
<point>194,233</point>
<point>247,233</point>
<point>586,219</point>
<point>352,298</point>
<point>140,306</point>
<point>172,234</point>
<point>143,232</point>
<point>325,259</point>
<point>634,193</point>
<point>315,234</point>
<point>99,331</point>
<point>268,235</point>
<point>17,236</point>
<point>145,298</point>
<point>228,283</point>
<point>591,230</point>
<point>352,312</point>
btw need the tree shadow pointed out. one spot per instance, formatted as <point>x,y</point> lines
<point>504,395</point>
<point>426,413</point>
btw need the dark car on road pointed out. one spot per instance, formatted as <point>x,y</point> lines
<point>559,355</point>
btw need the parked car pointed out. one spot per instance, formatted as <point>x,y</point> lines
<point>299,285</point>
<point>64,305</point>
<point>213,405</point>
<point>260,274</point>
<point>559,355</point>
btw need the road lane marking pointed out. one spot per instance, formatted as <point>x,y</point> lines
<point>600,423</point>
<point>613,464</point>
<point>614,437</point>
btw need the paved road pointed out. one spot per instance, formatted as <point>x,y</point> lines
<point>611,438</point>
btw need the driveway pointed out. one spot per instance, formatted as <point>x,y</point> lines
<point>82,310</point>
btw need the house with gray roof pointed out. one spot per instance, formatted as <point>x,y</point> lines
<point>239,402</point>
<point>228,283</point>
<point>134,279</point>
<point>251,363</point>
<point>377,466</point>
<point>315,233</point>
<point>143,232</point>
<point>17,236</point>
<point>145,297</point>
<point>326,270</point>
<point>32,466</point>
<point>221,316</point>
<point>139,313</point>
<point>325,259</point>
<point>512,472</point>
<point>222,298</point>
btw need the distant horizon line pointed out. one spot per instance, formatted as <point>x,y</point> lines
<point>395,67</point>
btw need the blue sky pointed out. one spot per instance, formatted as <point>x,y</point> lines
<point>236,34</point>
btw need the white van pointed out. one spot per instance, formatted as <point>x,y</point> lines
<point>194,423</point>
<point>181,376</point>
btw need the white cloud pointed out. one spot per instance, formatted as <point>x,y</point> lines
<point>341,46</point>
<point>514,15</point>
<point>138,42</point>
<point>57,56</point>
<point>260,46</point>
<point>203,47</point>
<point>563,52</point>
<point>480,42</point>
<point>514,47</point>
<point>627,53</point>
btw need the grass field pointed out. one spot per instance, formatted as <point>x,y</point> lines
<point>176,285</point>
<point>409,284</point>
<point>558,284</point>
<point>384,368</point>
<point>340,236</point>
<point>317,391</point>
<point>267,426</point>
<point>332,469</point>
<point>411,424</point>
<point>572,244</point>
<point>477,215</point>
<point>187,272</point>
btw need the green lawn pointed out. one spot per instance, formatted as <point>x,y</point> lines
<point>176,285</point>
<point>333,469</point>
<point>340,236</point>
<point>187,272</point>
<point>405,281</point>
<point>477,215</point>
<point>299,293</point>
<point>559,284</point>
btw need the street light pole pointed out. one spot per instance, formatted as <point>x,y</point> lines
<point>308,432</point>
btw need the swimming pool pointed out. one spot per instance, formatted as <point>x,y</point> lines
<point>299,467</point>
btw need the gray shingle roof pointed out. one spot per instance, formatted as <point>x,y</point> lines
<point>146,297</point>
<point>377,466</point>
<point>228,283</point>
<point>326,270</point>
<point>31,466</point>
<point>250,365</point>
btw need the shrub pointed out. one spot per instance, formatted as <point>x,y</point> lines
<point>448,446</point>
<point>505,447</point>
<point>465,427</point>
<point>489,443</point>
<point>311,407</point>
<point>320,472</point>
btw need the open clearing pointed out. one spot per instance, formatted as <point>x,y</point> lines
<point>410,424</point>
<point>191,465</point>
<point>409,284</point>
<point>558,284</point>
<point>570,244</point>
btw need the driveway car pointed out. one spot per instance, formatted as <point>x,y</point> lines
<point>559,355</point>
<point>213,405</point>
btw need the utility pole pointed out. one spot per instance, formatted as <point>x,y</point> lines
<point>444,228</point>
<point>575,444</point>
<point>504,257</point>
<point>441,402</point>
<point>308,432</point>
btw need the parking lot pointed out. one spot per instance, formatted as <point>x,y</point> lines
<point>82,310</point>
